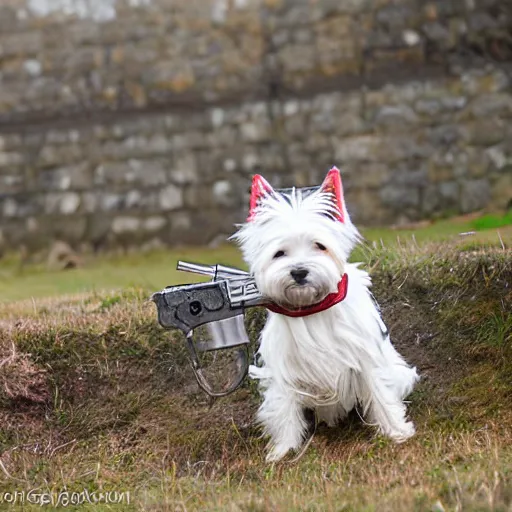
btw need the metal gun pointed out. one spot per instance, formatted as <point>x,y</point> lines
<point>220,304</point>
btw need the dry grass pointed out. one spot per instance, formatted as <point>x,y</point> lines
<point>93,394</point>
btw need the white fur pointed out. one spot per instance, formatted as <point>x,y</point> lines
<point>332,360</point>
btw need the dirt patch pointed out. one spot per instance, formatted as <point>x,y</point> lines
<point>22,382</point>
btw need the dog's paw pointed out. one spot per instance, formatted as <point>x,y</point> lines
<point>406,431</point>
<point>278,451</point>
<point>276,454</point>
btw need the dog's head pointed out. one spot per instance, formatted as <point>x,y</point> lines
<point>297,242</point>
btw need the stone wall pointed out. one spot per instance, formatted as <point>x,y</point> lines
<point>126,122</point>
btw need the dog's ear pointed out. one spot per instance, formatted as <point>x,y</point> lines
<point>332,185</point>
<point>259,189</point>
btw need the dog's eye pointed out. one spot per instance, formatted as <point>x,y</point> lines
<point>278,254</point>
<point>321,246</point>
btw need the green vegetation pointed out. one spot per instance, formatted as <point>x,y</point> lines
<point>155,270</point>
<point>493,221</point>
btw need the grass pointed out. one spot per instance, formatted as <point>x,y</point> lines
<point>155,270</point>
<point>493,221</point>
<point>95,395</point>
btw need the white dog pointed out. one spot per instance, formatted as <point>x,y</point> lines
<point>324,346</point>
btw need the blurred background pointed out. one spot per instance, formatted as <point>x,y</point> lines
<point>138,123</point>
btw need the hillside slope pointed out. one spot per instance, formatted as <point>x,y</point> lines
<point>95,395</point>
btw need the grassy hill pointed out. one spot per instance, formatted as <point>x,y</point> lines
<point>95,395</point>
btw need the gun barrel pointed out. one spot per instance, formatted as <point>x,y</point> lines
<point>217,272</point>
<point>196,268</point>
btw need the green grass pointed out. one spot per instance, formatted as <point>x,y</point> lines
<point>493,221</point>
<point>155,270</point>
<point>106,273</point>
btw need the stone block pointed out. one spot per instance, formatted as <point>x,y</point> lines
<point>501,190</point>
<point>226,136</point>
<point>297,159</point>
<point>347,124</point>
<point>296,127</point>
<point>154,223</point>
<point>478,164</point>
<point>10,141</point>
<point>111,202</point>
<point>144,173</point>
<point>17,44</point>
<point>90,201</point>
<point>428,107</point>
<point>395,118</point>
<point>157,144</point>
<point>486,105</point>
<point>256,131</point>
<point>70,228</point>
<point>224,194</point>
<point>180,221</point>
<point>362,148</point>
<point>409,175</point>
<point>10,160</point>
<point>323,121</point>
<point>439,172</point>
<point>396,17</point>
<point>12,183</point>
<point>126,224</point>
<point>430,200</point>
<point>171,198</point>
<point>20,205</point>
<point>487,131</point>
<point>363,175</point>
<point>453,103</point>
<point>317,141</point>
<point>450,191</point>
<point>497,157</point>
<point>297,58</point>
<point>387,60</point>
<point>474,195</point>
<point>54,156</point>
<point>73,177</point>
<point>399,196</point>
<point>98,228</point>
<point>482,21</point>
<point>85,32</point>
<point>272,159</point>
<point>402,147</point>
<point>448,135</point>
<point>366,208</point>
<point>392,94</point>
<point>65,203</point>
<point>438,33</point>
<point>198,196</point>
<point>230,165</point>
<point>184,169</point>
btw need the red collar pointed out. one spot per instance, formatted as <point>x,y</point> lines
<point>329,301</point>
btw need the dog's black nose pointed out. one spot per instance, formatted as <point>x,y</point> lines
<point>299,275</point>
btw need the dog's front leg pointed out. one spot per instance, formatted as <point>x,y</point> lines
<point>282,416</point>
<point>384,407</point>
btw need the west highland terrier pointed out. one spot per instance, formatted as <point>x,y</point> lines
<point>324,346</point>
